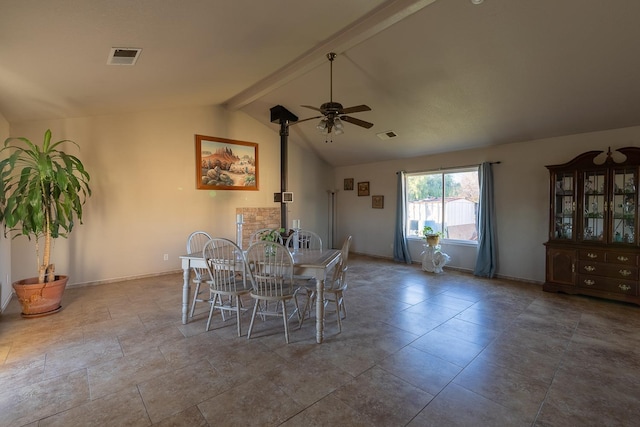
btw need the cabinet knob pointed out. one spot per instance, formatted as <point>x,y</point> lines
<point>590,268</point>
<point>590,282</point>
<point>624,287</point>
<point>624,272</point>
<point>623,258</point>
<point>592,255</point>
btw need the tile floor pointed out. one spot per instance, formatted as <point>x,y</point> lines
<point>417,349</point>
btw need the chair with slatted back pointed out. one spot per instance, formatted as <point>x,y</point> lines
<point>306,239</point>
<point>227,278</point>
<point>270,266</point>
<point>195,244</point>
<point>334,290</point>
<point>334,287</point>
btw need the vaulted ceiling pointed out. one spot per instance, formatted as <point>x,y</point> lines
<point>442,74</point>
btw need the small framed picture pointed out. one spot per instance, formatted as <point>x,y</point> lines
<point>377,202</point>
<point>348,184</point>
<point>363,188</point>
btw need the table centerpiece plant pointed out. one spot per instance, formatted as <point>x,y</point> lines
<point>275,236</point>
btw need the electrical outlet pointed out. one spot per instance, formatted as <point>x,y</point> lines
<point>166,257</point>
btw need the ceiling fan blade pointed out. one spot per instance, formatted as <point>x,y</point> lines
<point>304,120</point>
<point>313,108</point>
<point>356,109</point>
<point>355,121</point>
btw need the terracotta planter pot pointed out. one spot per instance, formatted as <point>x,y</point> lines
<point>433,240</point>
<point>40,299</point>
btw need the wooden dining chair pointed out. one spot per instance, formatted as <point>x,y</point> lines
<point>333,288</point>
<point>227,278</point>
<point>195,244</point>
<point>270,266</point>
<point>307,239</point>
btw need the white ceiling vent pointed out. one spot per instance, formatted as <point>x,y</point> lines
<point>386,135</point>
<point>123,56</point>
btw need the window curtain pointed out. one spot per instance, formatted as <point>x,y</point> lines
<point>486,260</point>
<point>400,246</point>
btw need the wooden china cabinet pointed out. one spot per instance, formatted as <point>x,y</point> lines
<point>593,246</point>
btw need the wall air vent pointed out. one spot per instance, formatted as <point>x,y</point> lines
<point>123,56</point>
<point>386,135</point>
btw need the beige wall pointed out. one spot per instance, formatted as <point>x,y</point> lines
<point>5,243</point>
<point>144,201</point>
<point>521,193</point>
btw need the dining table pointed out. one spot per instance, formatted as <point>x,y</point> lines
<point>315,263</point>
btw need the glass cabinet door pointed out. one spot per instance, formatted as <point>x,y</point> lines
<point>624,206</point>
<point>595,205</point>
<point>564,205</point>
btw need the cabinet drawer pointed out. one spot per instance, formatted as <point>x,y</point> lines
<point>621,258</point>
<point>615,271</point>
<point>595,255</point>
<point>619,286</point>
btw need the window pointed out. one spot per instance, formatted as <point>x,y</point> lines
<point>445,201</point>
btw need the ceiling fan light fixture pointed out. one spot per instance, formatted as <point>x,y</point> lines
<point>338,127</point>
<point>322,126</point>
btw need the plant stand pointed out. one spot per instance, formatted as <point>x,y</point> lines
<point>433,259</point>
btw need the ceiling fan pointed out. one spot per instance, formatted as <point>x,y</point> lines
<point>333,114</point>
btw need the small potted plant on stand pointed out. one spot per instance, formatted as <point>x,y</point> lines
<point>42,190</point>
<point>433,259</point>
<point>432,237</point>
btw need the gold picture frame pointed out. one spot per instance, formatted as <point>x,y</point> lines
<point>377,202</point>
<point>363,188</point>
<point>226,164</point>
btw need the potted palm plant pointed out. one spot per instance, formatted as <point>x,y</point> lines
<point>42,190</point>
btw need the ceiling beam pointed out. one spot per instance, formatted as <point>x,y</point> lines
<point>364,28</point>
